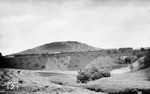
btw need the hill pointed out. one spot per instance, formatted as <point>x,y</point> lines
<point>64,46</point>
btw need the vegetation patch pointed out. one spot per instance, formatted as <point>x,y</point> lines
<point>91,74</point>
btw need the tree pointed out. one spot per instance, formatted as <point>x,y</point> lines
<point>142,49</point>
<point>127,60</point>
<point>2,61</point>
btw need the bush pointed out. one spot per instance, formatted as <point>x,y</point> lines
<point>82,77</point>
<point>96,75</point>
<point>42,67</point>
<point>91,74</point>
<point>127,60</point>
<point>142,49</point>
<point>104,73</point>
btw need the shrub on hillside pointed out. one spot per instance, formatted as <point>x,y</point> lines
<point>91,74</point>
<point>127,60</point>
<point>42,67</point>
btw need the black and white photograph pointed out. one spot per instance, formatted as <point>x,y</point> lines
<point>74,46</point>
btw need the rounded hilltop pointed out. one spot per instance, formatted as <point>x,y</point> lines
<point>62,46</point>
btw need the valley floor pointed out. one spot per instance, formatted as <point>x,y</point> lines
<point>64,82</point>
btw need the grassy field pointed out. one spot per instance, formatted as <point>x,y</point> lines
<point>44,82</point>
<point>31,82</point>
<point>123,83</point>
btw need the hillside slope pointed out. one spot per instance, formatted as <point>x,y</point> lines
<point>103,62</point>
<point>64,46</point>
<point>134,79</point>
<point>141,64</point>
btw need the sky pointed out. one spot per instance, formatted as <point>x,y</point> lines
<point>25,24</point>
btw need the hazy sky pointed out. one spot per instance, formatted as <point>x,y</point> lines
<point>26,24</point>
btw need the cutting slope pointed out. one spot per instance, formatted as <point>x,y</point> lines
<point>65,46</point>
<point>141,64</point>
